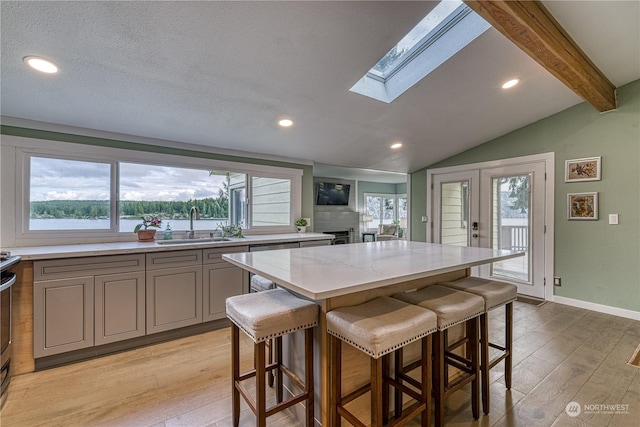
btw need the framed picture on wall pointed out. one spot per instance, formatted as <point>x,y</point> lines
<point>587,169</point>
<point>583,206</point>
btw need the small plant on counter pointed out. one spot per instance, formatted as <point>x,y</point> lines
<point>231,230</point>
<point>148,221</point>
<point>301,225</point>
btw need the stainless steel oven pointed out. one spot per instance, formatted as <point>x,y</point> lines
<point>6,296</point>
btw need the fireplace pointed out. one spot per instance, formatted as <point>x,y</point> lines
<point>342,237</point>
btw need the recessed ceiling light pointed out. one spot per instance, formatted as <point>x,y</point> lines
<point>285,123</point>
<point>41,64</point>
<point>510,83</point>
<point>396,145</point>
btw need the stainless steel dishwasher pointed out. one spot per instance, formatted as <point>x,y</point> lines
<point>273,246</point>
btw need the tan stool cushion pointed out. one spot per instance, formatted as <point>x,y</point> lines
<point>451,306</point>
<point>259,283</point>
<point>380,326</point>
<point>494,292</point>
<point>270,314</point>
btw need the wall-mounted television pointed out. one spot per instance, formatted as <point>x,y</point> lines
<point>329,193</point>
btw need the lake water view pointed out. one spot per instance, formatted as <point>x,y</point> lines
<point>177,225</point>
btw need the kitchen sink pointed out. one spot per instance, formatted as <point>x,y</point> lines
<point>188,241</point>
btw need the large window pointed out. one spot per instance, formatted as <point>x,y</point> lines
<point>385,209</point>
<point>73,193</point>
<point>69,194</point>
<point>170,192</point>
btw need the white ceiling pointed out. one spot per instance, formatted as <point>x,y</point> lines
<point>220,74</point>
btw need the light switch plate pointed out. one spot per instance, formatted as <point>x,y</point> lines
<point>613,219</point>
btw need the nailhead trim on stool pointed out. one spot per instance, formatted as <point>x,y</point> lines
<point>495,294</point>
<point>378,328</point>
<point>264,316</point>
<point>452,307</point>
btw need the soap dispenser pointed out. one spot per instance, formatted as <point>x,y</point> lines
<point>168,233</point>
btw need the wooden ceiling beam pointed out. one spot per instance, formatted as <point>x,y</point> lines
<point>533,29</point>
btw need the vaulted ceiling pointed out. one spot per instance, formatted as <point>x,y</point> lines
<point>220,74</point>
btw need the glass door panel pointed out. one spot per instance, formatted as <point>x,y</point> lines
<point>456,206</point>
<point>454,213</point>
<point>510,224</point>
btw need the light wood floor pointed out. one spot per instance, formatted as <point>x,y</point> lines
<point>562,354</point>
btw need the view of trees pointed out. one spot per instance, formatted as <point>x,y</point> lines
<point>95,209</point>
<point>515,201</point>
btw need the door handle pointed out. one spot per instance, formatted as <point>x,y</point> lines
<point>474,226</point>
<point>474,235</point>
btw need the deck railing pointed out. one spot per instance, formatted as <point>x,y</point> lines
<point>514,237</point>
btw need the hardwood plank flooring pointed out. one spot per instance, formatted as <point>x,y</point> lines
<point>562,354</point>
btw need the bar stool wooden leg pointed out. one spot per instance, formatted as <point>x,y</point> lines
<point>398,364</point>
<point>472,334</point>
<point>308,373</point>
<point>484,361</point>
<point>385,388</point>
<point>261,392</point>
<point>279,385</point>
<point>269,347</point>
<point>427,368</point>
<point>336,380</point>
<point>376,392</point>
<point>439,346</point>
<point>235,368</point>
<point>509,345</point>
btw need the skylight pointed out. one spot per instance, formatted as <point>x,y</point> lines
<point>448,28</point>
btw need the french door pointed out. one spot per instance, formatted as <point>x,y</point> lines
<point>502,207</point>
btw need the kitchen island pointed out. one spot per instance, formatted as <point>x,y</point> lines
<point>343,275</point>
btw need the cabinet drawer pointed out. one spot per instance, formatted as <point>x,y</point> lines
<point>87,266</point>
<point>172,259</point>
<point>214,255</point>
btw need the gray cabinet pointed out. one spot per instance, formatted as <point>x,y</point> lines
<point>82,302</point>
<point>173,290</point>
<point>63,315</point>
<point>119,307</point>
<point>221,281</point>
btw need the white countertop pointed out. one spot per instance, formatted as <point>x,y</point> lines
<point>116,248</point>
<point>329,271</point>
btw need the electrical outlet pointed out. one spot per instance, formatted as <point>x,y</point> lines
<point>557,281</point>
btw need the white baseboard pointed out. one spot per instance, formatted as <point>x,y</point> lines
<point>622,312</point>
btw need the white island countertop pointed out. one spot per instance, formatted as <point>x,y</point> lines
<point>330,271</point>
<point>117,248</point>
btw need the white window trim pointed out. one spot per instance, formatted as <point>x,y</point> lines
<point>20,149</point>
<point>396,205</point>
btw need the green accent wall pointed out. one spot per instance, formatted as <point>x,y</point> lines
<point>307,177</point>
<point>418,205</point>
<point>598,262</point>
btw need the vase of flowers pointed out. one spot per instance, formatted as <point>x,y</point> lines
<point>142,229</point>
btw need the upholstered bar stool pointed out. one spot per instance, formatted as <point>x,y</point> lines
<point>270,315</point>
<point>378,328</point>
<point>452,307</point>
<point>259,283</point>
<point>495,294</point>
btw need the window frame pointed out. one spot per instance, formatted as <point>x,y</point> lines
<point>396,205</point>
<point>25,148</point>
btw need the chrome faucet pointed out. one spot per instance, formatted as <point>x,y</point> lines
<point>193,211</point>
